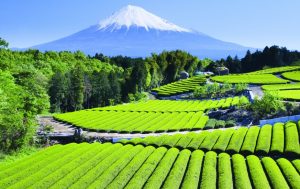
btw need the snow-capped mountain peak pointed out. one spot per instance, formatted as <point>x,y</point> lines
<point>132,31</point>
<point>136,16</point>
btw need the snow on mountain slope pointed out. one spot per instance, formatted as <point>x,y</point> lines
<point>136,16</point>
<point>132,31</point>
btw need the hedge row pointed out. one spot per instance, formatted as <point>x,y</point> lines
<point>249,78</point>
<point>161,172</point>
<point>275,140</point>
<point>191,180</point>
<point>259,178</point>
<point>127,166</point>
<point>181,86</point>
<point>127,173</point>
<point>136,122</point>
<point>175,105</point>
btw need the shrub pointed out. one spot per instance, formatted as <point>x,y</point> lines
<point>277,145</point>
<point>241,177</point>
<point>209,173</point>
<point>185,140</point>
<point>224,171</point>
<point>197,140</point>
<point>175,176</point>
<point>296,163</point>
<point>275,176</point>
<point>126,174</point>
<point>142,175</point>
<point>291,139</point>
<point>250,140</point>
<point>264,140</point>
<point>191,179</point>
<point>83,168</point>
<point>230,123</point>
<point>220,124</point>
<point>236,141</point>
<point>223,140</point>
<point>268,104</point>
<point>240,87</point>
<point>210,140</point>
<point>109,174</point>
<point>162,170</point>
<point>201,123</point>
<point>259,178</point>
<point>97,170</point>
<point>211,123</point>
<point>290,172</point>
<point>172,140</point>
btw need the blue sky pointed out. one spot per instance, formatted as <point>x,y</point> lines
<point>255,23</point>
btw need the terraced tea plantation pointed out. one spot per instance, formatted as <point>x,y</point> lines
<point>294,76</point>
<point>148,117</point>
<point>280,139</point>
<point>249,78</point>
<point>135,122</point>
<point>290,86</point>
<point>276,70</point>
<point>127,166</point>
<point>171,105</point>
<point>179,87</point>
<point>238,157</point>
<point>289,94</point>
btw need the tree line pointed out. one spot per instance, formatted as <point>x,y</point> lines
<point>273,56</point>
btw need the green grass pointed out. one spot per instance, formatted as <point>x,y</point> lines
<point>16,155</point>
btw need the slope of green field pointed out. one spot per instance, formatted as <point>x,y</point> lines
<point>289,86</point>
<point>289,94</point>
<point>179,87</point>
<point>249,78</point>
<point>276,70</point>
<point>294,76</point>
<point>135,122</point>
<point>182,105</point>
<point>148,117</point>
<point>278,139</point>
<point>127,166</point>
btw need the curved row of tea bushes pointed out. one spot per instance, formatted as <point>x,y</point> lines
<point>294,76</point>
<point>176,105</point>
<point>135,122</point>
<point>289,86</point>
<point>126,166</point>
<point>276,70</point>
<point>181,86</point>
<point>274,140</point>
<point>249,78</point>
<point>289,94</point>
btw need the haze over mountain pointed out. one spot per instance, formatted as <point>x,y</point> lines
<point>132,31</point>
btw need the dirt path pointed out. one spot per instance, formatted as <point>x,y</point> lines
<point>256,91</point>
<point>65,129</point>
<point>57,126</point>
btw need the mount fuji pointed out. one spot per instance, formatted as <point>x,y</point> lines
<point>132,31</point>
